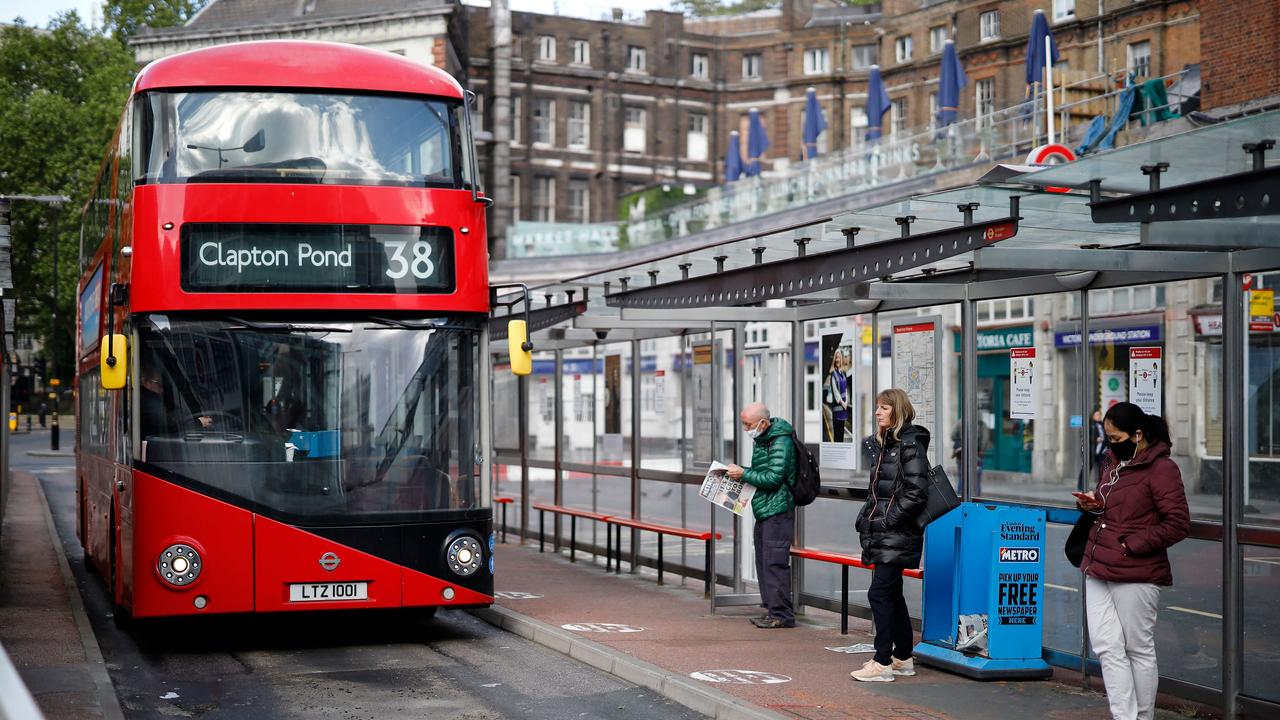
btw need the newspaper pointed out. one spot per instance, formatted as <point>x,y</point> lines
<point>734,495</point>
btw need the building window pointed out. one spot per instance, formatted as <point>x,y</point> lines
<point>635,59</point>
<point>751,66</point>
<point>864,56</point>
<point>517,46</point>
<point>933,112</point>
<point>898,116</point>
<point>989,25</point>
<point>984,97</point>
<point>515,198</point>
<point>546,48</point>
<point>701,67</point>
<point>633,133</point>
<point>937,38</point>
<point>579,127</point>
<point>544,199</point>
<point>579,201</point>
<point>817,61</point>
<point>695,144</point>
<point>902,48</point>
<point>857,127</point>
<point>581,52</point>
<point>1063,10</point>
<point>1140,58</point>
<point>517,106</point>
<point>544,121</point>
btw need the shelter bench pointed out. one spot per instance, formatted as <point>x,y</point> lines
<point>845,562</point>
<point>504,501</point>
<point>704,536</point>
<point>544,508</point>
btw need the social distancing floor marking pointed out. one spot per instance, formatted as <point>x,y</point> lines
<point>740,677</point>
<point>601,627</point>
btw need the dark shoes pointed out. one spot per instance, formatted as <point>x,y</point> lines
<point>769,623</point>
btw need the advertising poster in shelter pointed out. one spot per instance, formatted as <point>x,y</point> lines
<point>916,357</point>
<point>838,449</point>
<point>612,441</point>
<point>703,425</point>
<point>1145,383</point>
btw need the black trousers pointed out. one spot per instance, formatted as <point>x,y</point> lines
<point>889,612</point>
<point>773,564</point>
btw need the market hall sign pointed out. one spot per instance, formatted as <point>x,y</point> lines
<point>287,257</point>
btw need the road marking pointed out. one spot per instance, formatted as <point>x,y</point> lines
<point>1202,613</point>
<point>1062,587</point>
<point>1267,560</point>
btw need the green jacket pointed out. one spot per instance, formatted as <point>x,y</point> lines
<point>772,471</point>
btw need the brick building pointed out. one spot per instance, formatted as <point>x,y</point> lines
<point>602,108</point>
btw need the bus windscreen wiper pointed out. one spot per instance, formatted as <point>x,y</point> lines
<point>242,324</point>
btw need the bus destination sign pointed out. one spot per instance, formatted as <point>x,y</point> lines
<point>280,257</point>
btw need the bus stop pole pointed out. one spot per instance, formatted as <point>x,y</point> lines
<point>1235,340</point>
<point>969,414</point>
<point>1087,389</point>
<point>522,422</point>
<point>740,392</point>
<point>635,453</point>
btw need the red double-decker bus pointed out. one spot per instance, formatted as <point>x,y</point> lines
<point>282,339</point>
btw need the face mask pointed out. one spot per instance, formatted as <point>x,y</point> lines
<point>1124,449</point>
<point>754,432</point>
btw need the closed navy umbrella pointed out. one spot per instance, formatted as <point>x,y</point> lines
<point>877,103</point>
<point>951,78</point>
<point>1035,48</point>
<point>814,123</point>
<point>757,142</point>
<point>733,161</point>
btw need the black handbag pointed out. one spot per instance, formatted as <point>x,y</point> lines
<point>941,499</point>
<point>1079,537</point>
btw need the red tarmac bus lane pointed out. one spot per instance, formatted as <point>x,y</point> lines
<point>787,671</point>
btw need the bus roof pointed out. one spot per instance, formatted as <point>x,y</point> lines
<point>296,64</point>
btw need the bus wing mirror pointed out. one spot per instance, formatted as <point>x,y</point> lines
<point>115,361</point>
<point>519,347</point>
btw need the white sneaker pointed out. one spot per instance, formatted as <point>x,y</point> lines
<point>873,672</point>
<point>905,668</point>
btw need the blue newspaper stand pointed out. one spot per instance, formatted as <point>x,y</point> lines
<point>983,559</point>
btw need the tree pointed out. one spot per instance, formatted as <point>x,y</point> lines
<point>124,18</point>
<point>61,96</point>
<point>708,8</point>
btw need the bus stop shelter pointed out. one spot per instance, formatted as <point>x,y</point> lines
<point>1144,274</point>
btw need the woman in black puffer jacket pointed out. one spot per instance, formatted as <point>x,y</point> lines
<point>891,541</point>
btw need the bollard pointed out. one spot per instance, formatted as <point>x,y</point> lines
<point>54,440</point>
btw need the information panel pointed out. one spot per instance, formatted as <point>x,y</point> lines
<point>282,257</point>
<point>917,354</point>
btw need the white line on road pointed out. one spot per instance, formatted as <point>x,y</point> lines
<point>1202,613</point>
<point>1267,560</point>
<point>1062,587</point>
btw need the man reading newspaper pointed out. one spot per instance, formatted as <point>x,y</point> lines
<point>773,474</point>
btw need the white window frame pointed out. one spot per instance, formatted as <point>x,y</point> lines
<point>1064,10</point>
<point>544,189</point>
<point>547,123</point>
<point>547,48</point>
<point>751,64</point>
<point>517,107</point>
<point>695,143</point>
<point>817,61</point>
<point>581,52</point>
<point>700,66</point>
<point>1139,63</point>
<point>583,207</point>
<point>636,59</point>
<point>515,198</point>
<point>857,127</point>
<point>989,25</point>
<point>937,38</point>
<point>635,131</point>
<point>903,47</point>
<point>933,112</point>
<point>864,63</point>
<point>984,100</point>
<point>578,129</point>
<point>898,116</point>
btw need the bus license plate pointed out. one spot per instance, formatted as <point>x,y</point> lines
<point>322,592</point>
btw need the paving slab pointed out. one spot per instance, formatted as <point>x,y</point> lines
<point>750,672</point>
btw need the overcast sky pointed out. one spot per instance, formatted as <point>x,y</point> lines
<point>40,12</point>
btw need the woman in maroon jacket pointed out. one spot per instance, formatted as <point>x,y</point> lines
<point>1141,511</point>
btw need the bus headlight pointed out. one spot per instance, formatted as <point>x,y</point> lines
<point>464,555</point>
<point>179,565</point>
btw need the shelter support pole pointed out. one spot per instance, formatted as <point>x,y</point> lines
<point>558,422</point>
<point>522,412</point>
<point>716,449</point>
<point>1235,341</point>
<point>969,413</point>
<point>1087,388</point>
<point>595,447</point>
<point>739,442</point>
<point>797,422</point>
<point>875,359</point>
<point>635,452</point>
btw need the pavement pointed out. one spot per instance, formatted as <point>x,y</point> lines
<point>667,638</point>
<point>43,625</point>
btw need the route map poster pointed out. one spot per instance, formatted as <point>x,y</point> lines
<point>916,358</point>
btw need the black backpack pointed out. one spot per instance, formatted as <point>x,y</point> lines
<point>808,479</point>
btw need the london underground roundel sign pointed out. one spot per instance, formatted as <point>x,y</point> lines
<point>1051,154</point>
